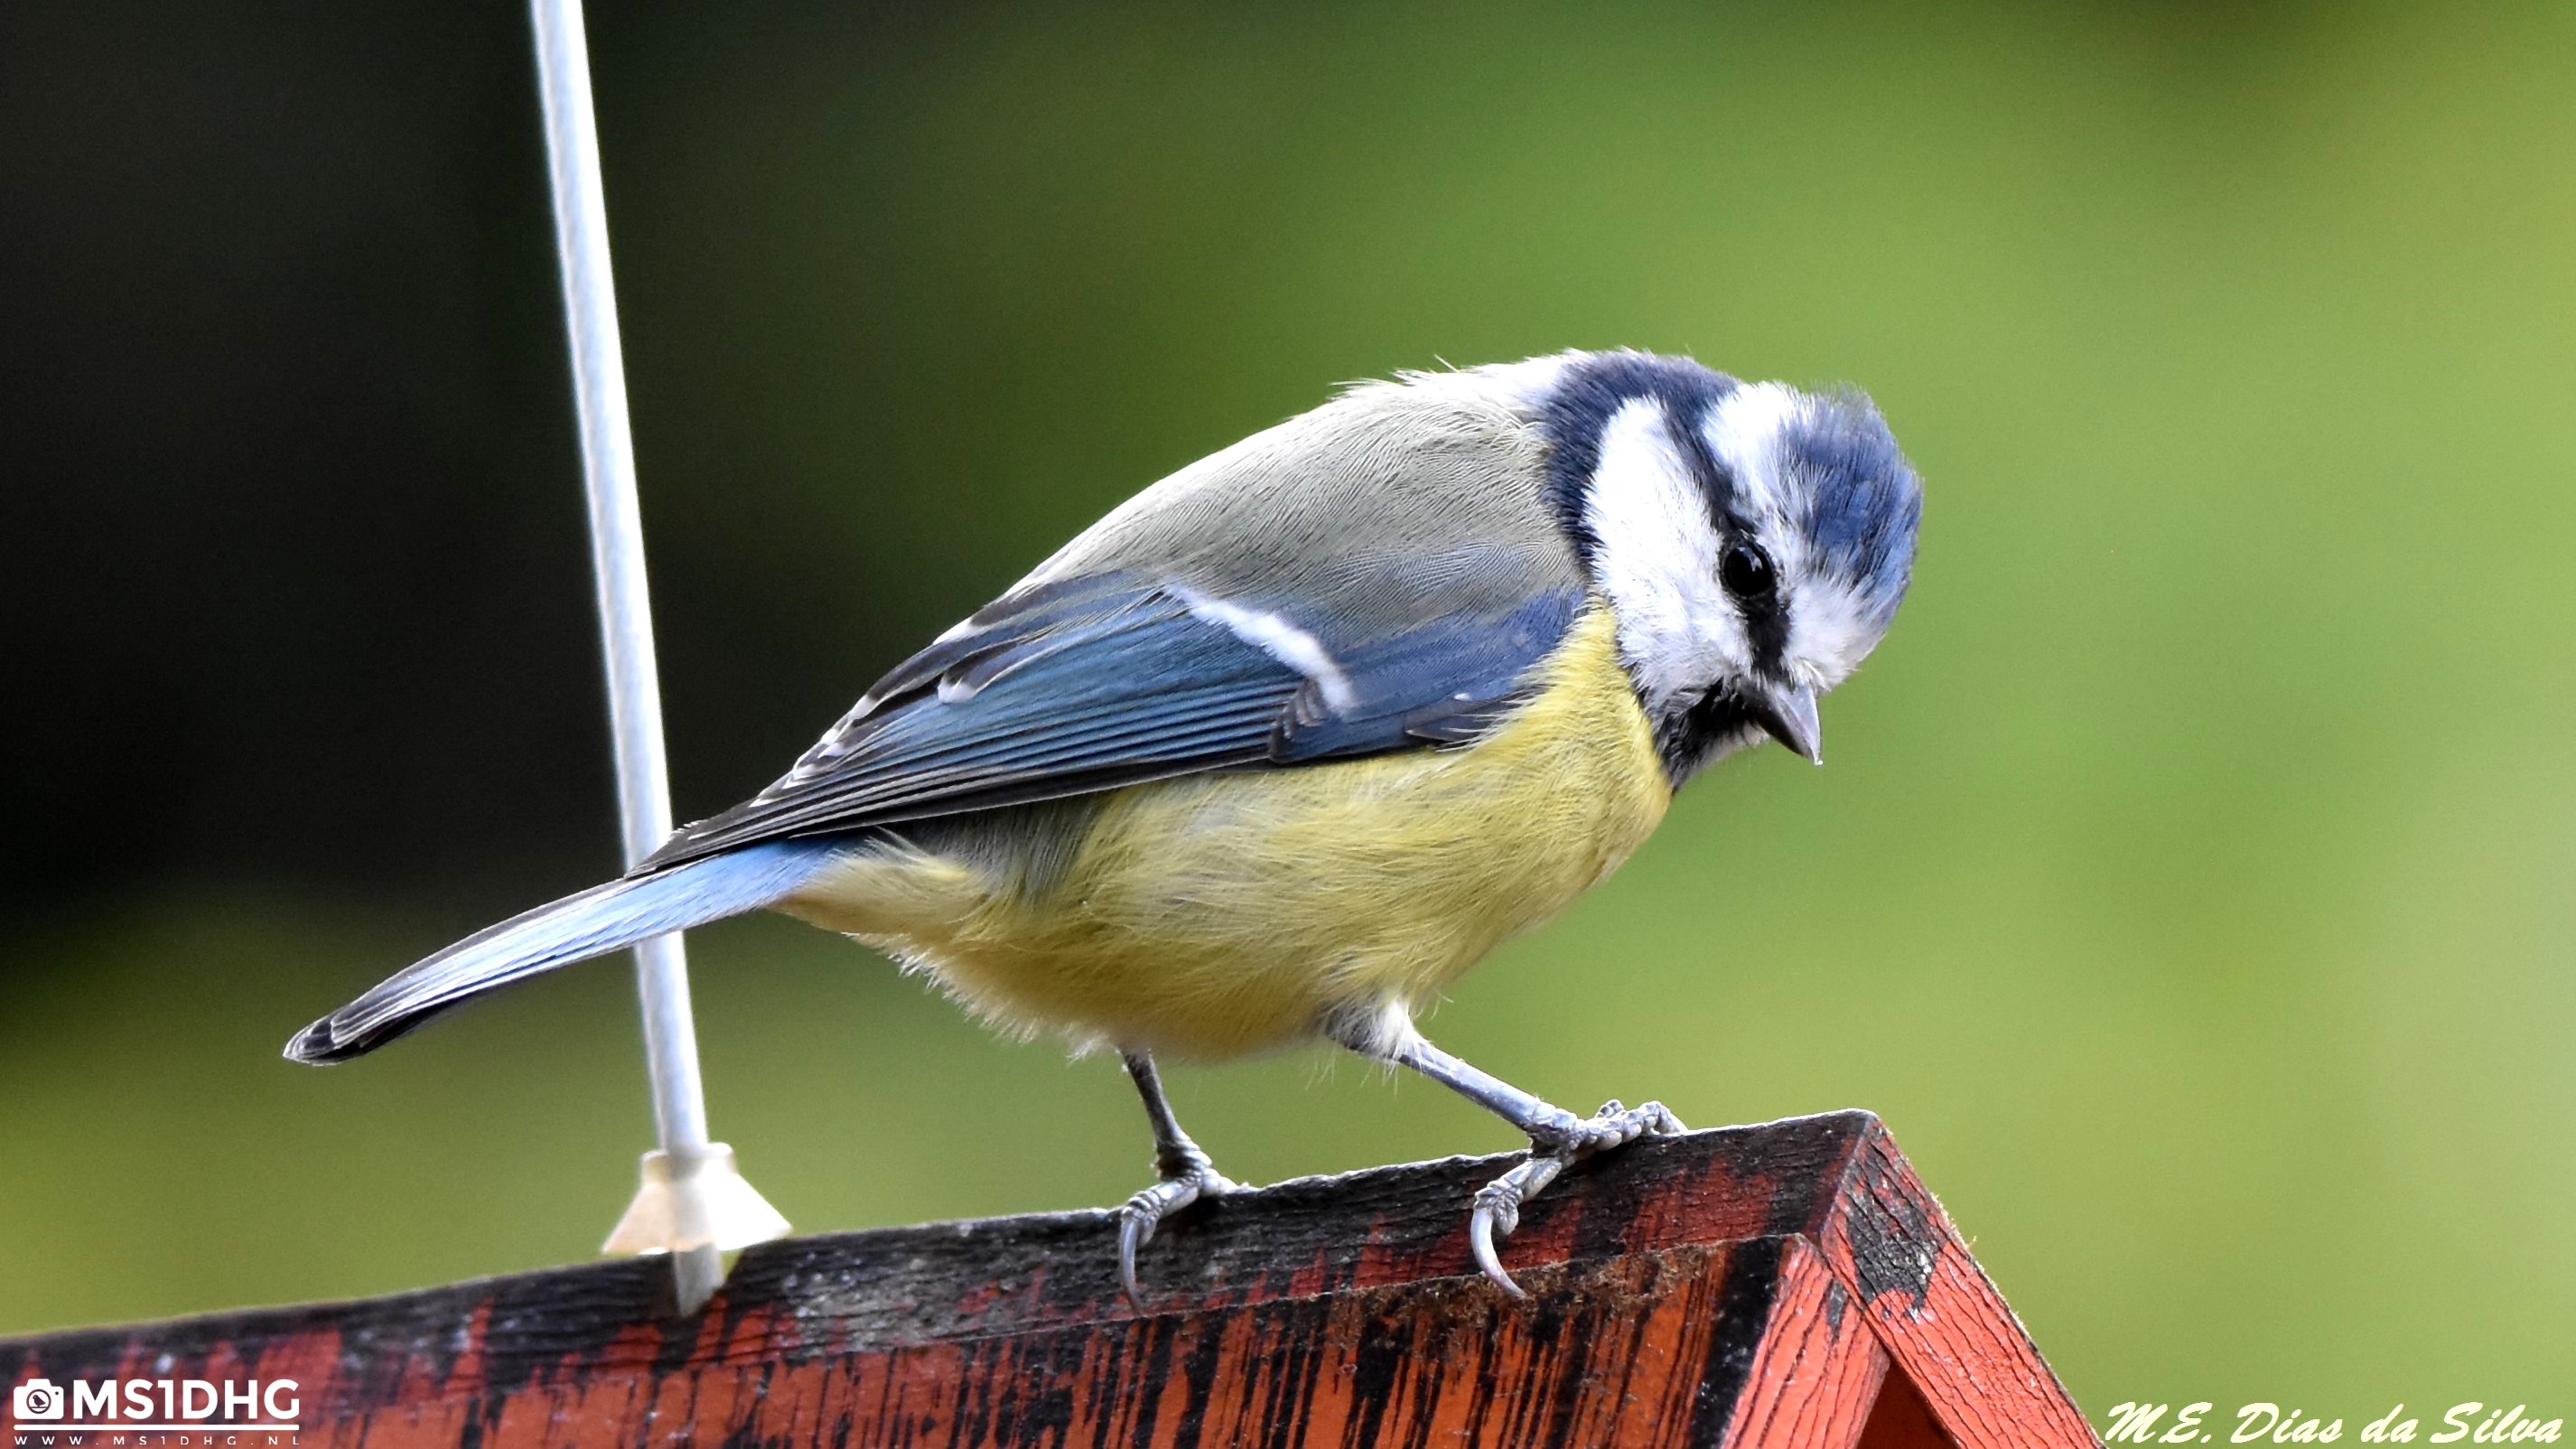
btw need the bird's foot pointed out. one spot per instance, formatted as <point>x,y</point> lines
<point>1554,1145</point>
<point>1184,1180</point>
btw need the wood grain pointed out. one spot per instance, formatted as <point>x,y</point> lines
<point>1788,1284</point>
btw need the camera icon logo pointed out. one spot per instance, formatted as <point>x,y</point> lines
<point>36,1399</point>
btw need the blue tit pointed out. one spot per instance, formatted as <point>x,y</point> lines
<point>1288,741</point>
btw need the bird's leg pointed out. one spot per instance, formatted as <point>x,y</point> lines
<point>1182,1171</point>
<point>1557,1137</point>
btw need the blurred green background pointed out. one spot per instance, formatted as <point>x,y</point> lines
<point>2193,888</point>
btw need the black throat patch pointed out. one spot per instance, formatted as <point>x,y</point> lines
<point>1690,733</point>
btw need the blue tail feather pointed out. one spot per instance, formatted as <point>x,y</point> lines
<point>591,923</point>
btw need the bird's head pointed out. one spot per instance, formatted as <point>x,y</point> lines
<point>1754,540</point>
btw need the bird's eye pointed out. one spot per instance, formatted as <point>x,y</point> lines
<point>1747,572</point>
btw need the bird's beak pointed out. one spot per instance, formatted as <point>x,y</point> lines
<point>1789,715</point>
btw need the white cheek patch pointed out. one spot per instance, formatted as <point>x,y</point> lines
<point>1657,557</point>
<point>1276,637</point>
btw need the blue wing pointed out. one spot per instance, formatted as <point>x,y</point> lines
<point>1092,683</point>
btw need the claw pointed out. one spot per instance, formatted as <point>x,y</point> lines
<point>1134,1231</point>
<point>1140,1215</point>
<point>1496,1209</point>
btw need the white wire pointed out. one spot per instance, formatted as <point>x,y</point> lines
<point>617,553</point>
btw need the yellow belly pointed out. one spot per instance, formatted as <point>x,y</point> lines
<point>1220,914</point>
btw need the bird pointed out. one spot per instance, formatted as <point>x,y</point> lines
<point>1281,746</point>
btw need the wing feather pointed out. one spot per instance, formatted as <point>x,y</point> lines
<point>1379,574</point>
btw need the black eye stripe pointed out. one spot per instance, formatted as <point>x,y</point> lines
<point>1716,481</point>
<point>1751,578</point>
<point>1592,391</point>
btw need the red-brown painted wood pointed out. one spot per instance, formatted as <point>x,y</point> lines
<point>1818,1368</point>
<point>1789,1284</point>
<point>1901,1420</point>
